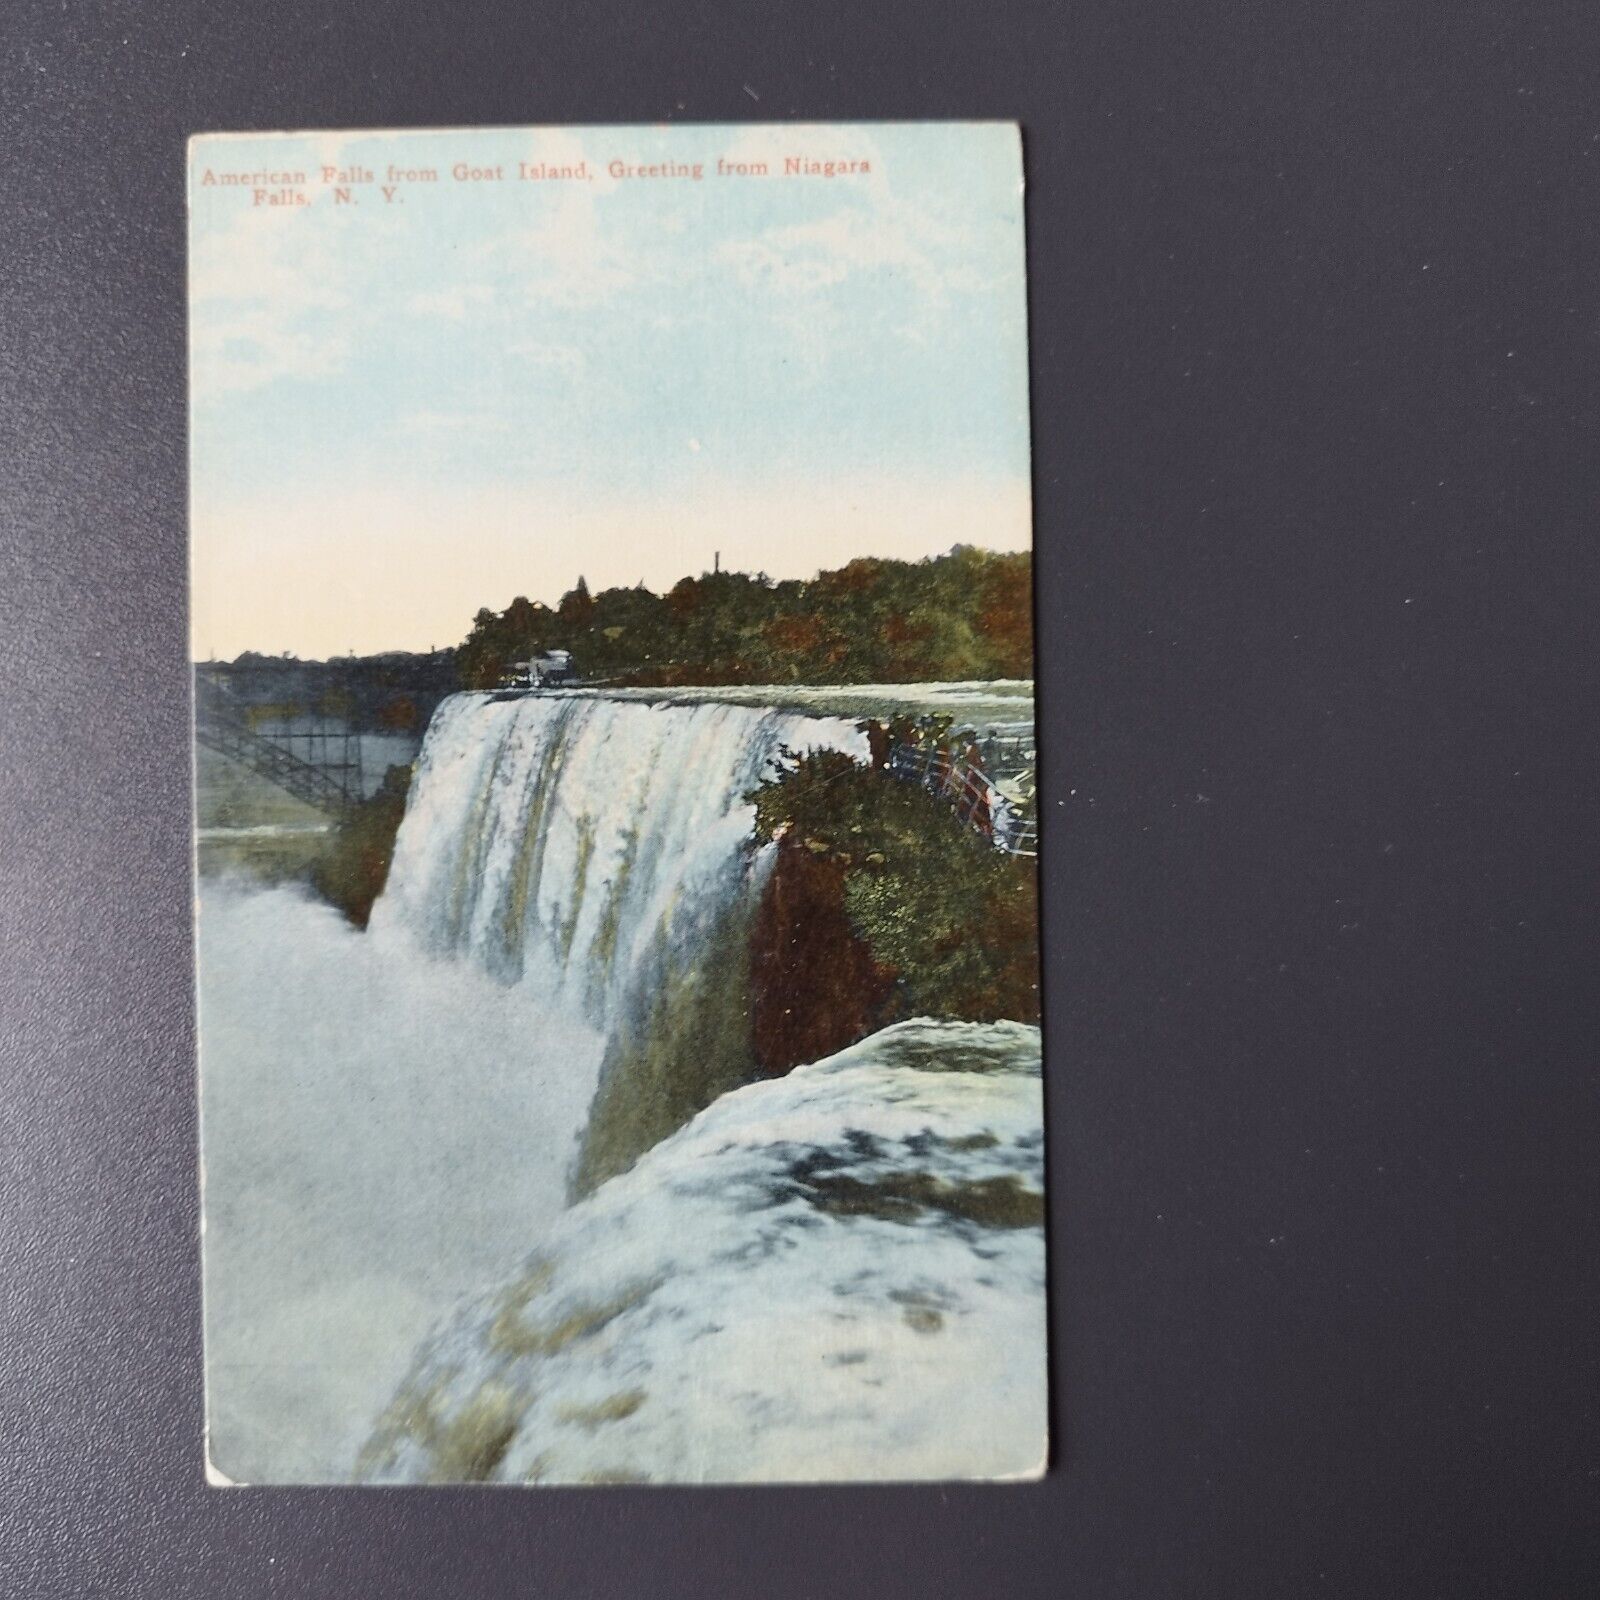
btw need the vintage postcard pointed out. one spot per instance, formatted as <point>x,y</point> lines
<point>616,827</point>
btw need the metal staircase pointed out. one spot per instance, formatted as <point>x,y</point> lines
<point>327,776</point>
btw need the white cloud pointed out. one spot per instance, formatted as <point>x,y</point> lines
<point>252,286</point>
<point>256,347</point>
<point>562,359</point>
<point>805,256</point>
<point>565,258</point>
<point>448,422</point>
<point>453,304</point>
<point>872,230</point>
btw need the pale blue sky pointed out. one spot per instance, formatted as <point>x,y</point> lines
<point>403,410</point>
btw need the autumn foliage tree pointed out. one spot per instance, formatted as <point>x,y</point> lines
<point>965,614</point>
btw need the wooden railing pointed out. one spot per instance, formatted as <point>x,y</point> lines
<point>988,781</point>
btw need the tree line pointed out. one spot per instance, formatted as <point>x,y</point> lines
<point>965,614</point>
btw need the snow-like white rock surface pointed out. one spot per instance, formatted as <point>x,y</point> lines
<point>836,1274</point>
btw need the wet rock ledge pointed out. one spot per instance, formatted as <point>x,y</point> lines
<point>834,1274</point>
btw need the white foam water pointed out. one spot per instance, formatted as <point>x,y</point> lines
<point>556,840</point>
<point>390,1118</point>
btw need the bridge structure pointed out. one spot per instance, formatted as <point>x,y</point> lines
<point>319,765</point>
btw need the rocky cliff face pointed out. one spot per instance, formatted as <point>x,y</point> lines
<point>813,984</point>
<point>835,1274</point>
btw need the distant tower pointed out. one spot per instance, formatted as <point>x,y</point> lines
<point>716,561</point>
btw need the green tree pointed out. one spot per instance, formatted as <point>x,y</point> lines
<point>953,918</point>
<point>965,614</point>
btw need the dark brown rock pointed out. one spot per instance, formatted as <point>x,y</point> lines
<point>814,985</point>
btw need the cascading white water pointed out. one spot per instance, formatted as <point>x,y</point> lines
<point>552,982</point>
<point>595,851</point>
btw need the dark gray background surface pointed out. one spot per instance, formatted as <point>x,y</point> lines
<point>1316,321</point>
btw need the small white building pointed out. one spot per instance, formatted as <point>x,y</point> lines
<point>547,669</point>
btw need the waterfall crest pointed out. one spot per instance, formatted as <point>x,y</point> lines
<point>598,851</point>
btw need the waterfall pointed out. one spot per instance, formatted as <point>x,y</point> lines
<point>598,851</point>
